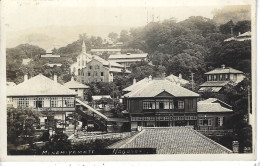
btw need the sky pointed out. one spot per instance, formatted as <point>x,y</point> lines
<point>41,13</point>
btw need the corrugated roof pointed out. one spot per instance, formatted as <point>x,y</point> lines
<point>224,71</point>
<point>173,140</point>
<point>75,85</point>
<point>128,56</point>
<point>39,86</point>
<point>214,84</point>
<point>155,87</point>
<point>176,79</point>
<point>118,70</point>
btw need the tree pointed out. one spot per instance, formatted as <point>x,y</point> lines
<point>124,36</point>
<point>113,36</point>
<point>21,124</point>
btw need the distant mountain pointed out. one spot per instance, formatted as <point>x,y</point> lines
<point>57,36</point>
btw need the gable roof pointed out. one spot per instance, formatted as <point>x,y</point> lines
<point>75,85</point>
<point>128,56</point>
<point>105,62</point>
<point>213,105</point>
<point>39,86</point>
<point>176,79</point>
<point>137,85</point>
<point>157,86</point>
<point>226,70</point>
<point>172,140</point>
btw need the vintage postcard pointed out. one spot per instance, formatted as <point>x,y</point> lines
<point>128,80</point>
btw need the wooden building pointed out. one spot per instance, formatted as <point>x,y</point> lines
<point>161,103</point>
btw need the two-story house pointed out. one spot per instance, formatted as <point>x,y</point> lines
<point>219,77</point>
<point>44,95</point>
<point>161,103</point>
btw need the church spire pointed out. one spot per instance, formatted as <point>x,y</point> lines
<point>84,47</point>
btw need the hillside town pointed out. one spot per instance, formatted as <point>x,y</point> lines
<point>168,87</point>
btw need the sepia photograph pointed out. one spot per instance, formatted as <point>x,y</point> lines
<point>128,78</point>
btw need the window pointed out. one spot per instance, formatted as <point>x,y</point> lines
<point>215,77</point>
<point>102,74</point>
<point>68,102</point>
<point>220,77</point>
<point>54,102</point>
<point>95,73</point>
<point>220,121</point>
<point>205,122</point>
<point>89,73</point>
<point>180,104</point>
<point>148,105</point>
<point>78,71</point>
<point>209,77</point>
<point>90,67</point>
<point>20,102</point>
<point>40,102</point>
<point>226,77</point>
<point>26,102</point>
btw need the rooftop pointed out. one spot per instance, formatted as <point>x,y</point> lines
<point>155,87</point>
<point>224,70</point>
<point>211,107</point>
<point>128,56</point>
<point>177,80</point>
<point>39,86</point>
<point>75,85</point>
<point>172,140</point>
<point>105,49</point>
<point>98,97</point>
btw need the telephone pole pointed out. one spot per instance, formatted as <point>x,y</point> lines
<point>192,81</point>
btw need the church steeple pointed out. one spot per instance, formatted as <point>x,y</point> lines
<point>83,47</point>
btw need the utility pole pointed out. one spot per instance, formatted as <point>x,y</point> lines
<point>192,81</point>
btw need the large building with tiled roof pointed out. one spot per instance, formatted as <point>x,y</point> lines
<point>212,114</point>
<point>219,77</point>
<point>241,37</point>
<point>43,94</point>
<point>160,102</point>
<point>172,140</point>
<point>127,59</point>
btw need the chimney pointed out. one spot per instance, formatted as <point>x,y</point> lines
<point>134,81</point>
<point>180,77</point>
<point>25,78</point>
<point>55,78</point>
<point>239,33</point>
<point>235,146</point>
<point>150,78</point>
<point>223,66</point>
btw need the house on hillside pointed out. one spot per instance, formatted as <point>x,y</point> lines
<point>100,70</point>
<point>77,87</point>
<point>212,114</point>
<point>241,37</point>
<point>44,95</point>
<point>109,51</point>
<point>159,102</point>
<point>49,54</point>
<point>219,77</point>
<point>127,59</point>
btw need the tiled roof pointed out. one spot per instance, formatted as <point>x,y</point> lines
<point>155,87</point>
<point>127,56</point>
<point>75,85</point>
<point>215,100</point>
<point>211,107</point>
<point>173,140</point>
<point>105,62</point>
<point>39,86</point>
<point>176,80</point>
<point>137,85</point>
<point>225,70</point>
<point>214,83</point>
